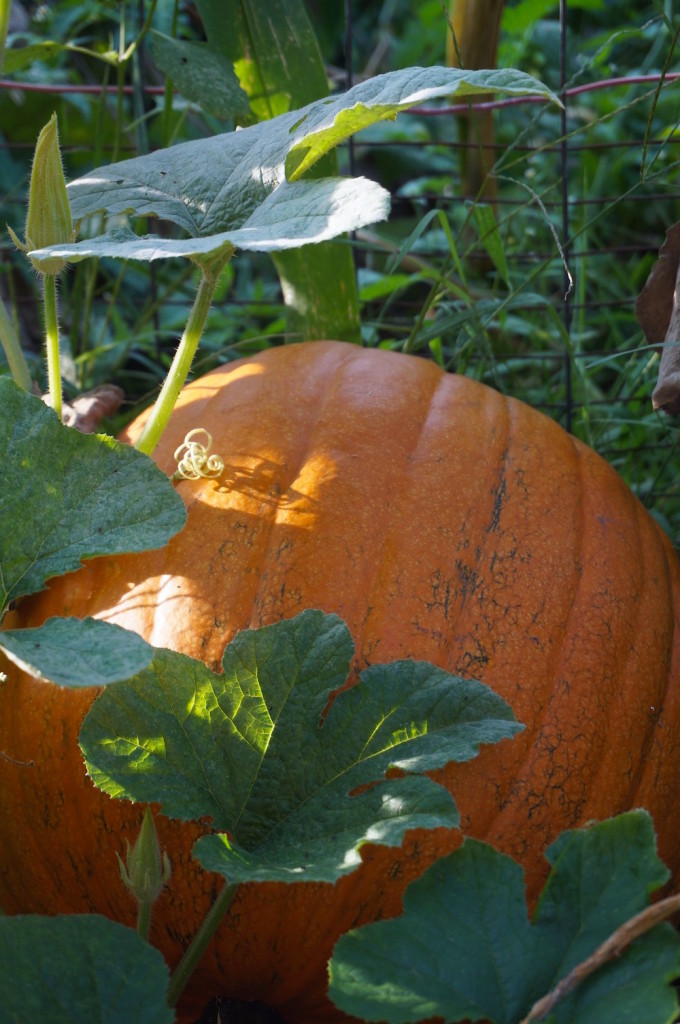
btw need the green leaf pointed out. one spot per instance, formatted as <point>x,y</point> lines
<point>320,292</point>
<point>277,58</point>
<point>636,987</point>
<point>77,652</point>
<point>5,6</point>
<point>232,188</point>
<point>65,496</point>
<point>22,56</point>
<point>79,969</point>
<point>274,49</point>
<point>465,949</point>
<point>600,877</point>
<point>521,17</point>
<point>460,951</point>
<point>201,74</point>
<point>248,748</point>
<point>295,214</point>
<point>383,97</point>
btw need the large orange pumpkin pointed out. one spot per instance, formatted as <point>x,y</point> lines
<point>442,521</point>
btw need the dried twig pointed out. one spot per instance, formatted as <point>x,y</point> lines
<point>611,948</point>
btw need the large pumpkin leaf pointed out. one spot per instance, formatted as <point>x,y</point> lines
<point>383,97</point>
<point>254,749</point>
<point>301,213</point>
<point>77,652</point>
<point>65,496</point>
<point>79,969</point>
<point>221,191</point>
<point>465,948</point>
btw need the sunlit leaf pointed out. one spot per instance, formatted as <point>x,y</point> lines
<point>295,791</point>
<point>241,190</point>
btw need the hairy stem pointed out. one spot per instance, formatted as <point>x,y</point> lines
<point>52,340</point>
<point>181,364</point>
<point>199,944</point>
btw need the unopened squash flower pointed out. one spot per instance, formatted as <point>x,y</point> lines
<point>48,221</point>
<point>145,871</point>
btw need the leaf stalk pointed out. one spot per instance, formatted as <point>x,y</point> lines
<point>199,944</point>
<point>181,364</point>
<point>52,341</point>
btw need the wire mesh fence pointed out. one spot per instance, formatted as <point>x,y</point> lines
<point>529,286</point>
<point>582,204</point>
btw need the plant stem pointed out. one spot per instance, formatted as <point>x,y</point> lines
<point>181,364</point>
<point>121,65</point>
<point>167,96</point>
<point>52,340</point>
<point>144,920</point>
<point>12,349</point>
<point>199,943</point>
<point>90,285</point>
<point>4,25</point>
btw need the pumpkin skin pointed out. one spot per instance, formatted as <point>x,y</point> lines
<point>443,522</point>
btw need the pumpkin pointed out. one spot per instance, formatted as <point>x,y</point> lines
<point>443,522</point>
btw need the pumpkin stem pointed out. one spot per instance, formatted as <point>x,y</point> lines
<point>199,944</point>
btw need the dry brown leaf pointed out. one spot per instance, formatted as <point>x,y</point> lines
<point>89,409</point>
<point>658,312</point>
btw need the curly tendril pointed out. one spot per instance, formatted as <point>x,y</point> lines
<point>193,458</point>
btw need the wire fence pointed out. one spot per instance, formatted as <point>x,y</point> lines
<point>588,258</point>
<point>582,200</point>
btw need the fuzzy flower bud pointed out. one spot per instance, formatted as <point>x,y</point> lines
<point>49,213</point>
<point>146,871</point>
